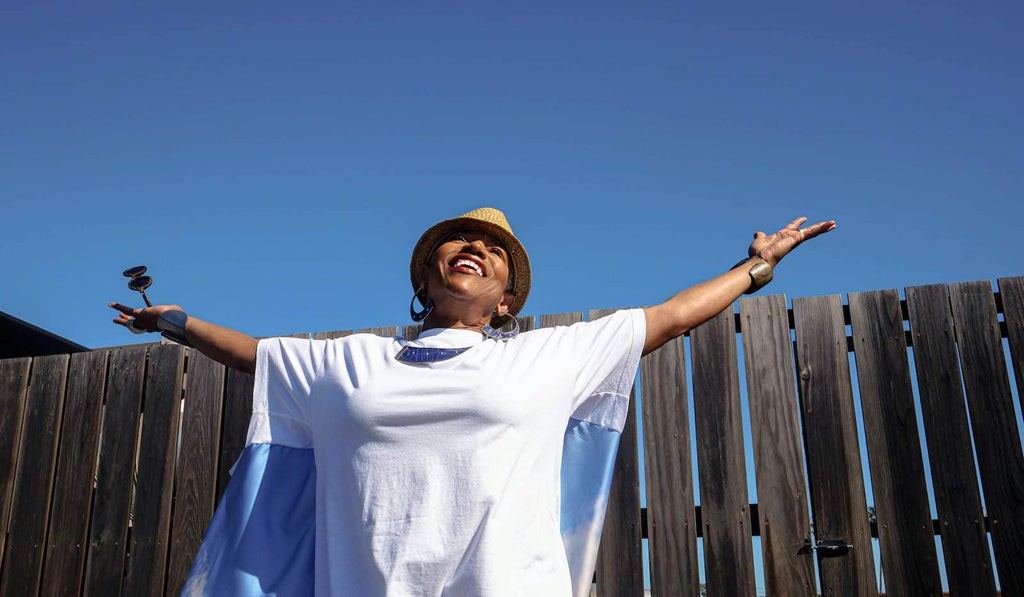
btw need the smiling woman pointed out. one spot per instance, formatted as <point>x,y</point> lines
<point>452,464</point>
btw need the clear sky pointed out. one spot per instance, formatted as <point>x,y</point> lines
<point>274,163</point>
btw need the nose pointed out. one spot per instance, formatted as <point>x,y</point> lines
<point>476,247</point>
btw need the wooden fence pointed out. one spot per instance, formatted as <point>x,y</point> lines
<point>111,461</point>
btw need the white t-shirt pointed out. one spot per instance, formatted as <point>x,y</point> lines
<point>442,478</point>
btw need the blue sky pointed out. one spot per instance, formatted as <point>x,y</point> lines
<point>273,164</point>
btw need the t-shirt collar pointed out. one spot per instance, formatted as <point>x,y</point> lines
<point>448,338</point>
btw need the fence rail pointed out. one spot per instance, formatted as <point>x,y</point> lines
<point>111,461</point>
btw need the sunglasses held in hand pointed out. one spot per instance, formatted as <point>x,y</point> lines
<point>139,283</point>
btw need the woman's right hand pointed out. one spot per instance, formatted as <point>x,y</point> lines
<point>144,319</point>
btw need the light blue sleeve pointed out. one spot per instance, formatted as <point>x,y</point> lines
<point>261,540</point>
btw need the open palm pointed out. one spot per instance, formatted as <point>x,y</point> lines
<point>773,247</point>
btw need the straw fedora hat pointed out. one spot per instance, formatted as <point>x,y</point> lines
<point>493,222</point>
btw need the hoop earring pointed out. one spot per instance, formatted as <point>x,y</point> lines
<point>501,336</point>
<point>419,316</point>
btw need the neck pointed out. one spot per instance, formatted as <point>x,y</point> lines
<point>435,320</point>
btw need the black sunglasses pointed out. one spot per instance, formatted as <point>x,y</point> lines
<point>139,282</point>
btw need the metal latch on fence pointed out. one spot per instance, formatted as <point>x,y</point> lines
<point>826,548</point>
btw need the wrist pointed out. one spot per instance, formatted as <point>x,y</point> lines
<point>172,325</point>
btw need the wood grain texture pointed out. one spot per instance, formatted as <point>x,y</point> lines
<point>37,454</point>
<point>996,437</point>
<point>965,547</point>
<point>833,454</point>
<point>728,552</point>
<point>14,374</point>
<point>388,331</point>
<point>556,319</point>
<point>76,469</point>
<point>670,500</point>
<point>778,453</point>
<point>909,561</point>
<point>332,335</point>
<point>147,562</point>
<point>108,529</point>
<point>1012,292</point>
<point>619,567</point>
<point>237,409</point>
<point>196,478</point>
<point>412,331</point>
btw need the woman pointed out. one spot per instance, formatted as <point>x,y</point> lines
<point>437,461</point>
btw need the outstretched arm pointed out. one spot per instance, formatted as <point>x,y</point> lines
<point>697,304</point>
<point>221,344</point>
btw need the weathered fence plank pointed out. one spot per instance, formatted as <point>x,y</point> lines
<point>950,455</point>
<point>620,561</point>
<point>906,540</point>
<point>728,555</point>
<point>237,408</point>
<point>14,375</point>
<point>147,561</point>
<point>108,530</point>
<point>387,331</point>
<point>37,454</point>
<point>778,455</point>
<point>1012,292</point>
<point>994,423</point>
<point>76,469</point>
<point>196,478</point>
<point>670,525</point>
<point>332,335</point>
<point>833,454</point>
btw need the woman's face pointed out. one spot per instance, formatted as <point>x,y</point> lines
<point>469,274</point>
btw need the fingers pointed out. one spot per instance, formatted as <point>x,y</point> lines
<point>123,308</point>
<point>819,228</point>
<point>795,224</point>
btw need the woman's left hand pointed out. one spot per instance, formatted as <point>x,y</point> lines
<point>773,247</point>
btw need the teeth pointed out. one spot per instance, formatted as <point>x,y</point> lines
<point>469,264</point>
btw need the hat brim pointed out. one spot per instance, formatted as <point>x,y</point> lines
<point>517,256</point>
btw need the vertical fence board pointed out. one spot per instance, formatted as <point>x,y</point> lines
<point>671,533</point>
<point>556,319</point>
<point>994,422</point>
<point>332,335</point>
<point>951,457</point>
<point>13,383</point>
<point>119,436</point>
<point>728,555</point>
<point>620,560</point>
<point>412,331</point>
<point>237,408</point>
<point>833,454</point>
<point>778,455</point>
<point>1012,291</point>
<point>147,560</point>
<point>76,468</point>
<point>906,540</point>
<point>388,331</point>
<point>196,484</point>
<point>37,454</point>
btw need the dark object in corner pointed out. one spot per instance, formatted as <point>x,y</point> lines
<point>22,339</point>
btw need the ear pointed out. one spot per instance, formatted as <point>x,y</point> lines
<point>506,303</point>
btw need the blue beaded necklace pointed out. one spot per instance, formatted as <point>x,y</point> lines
<point>423,354</point>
